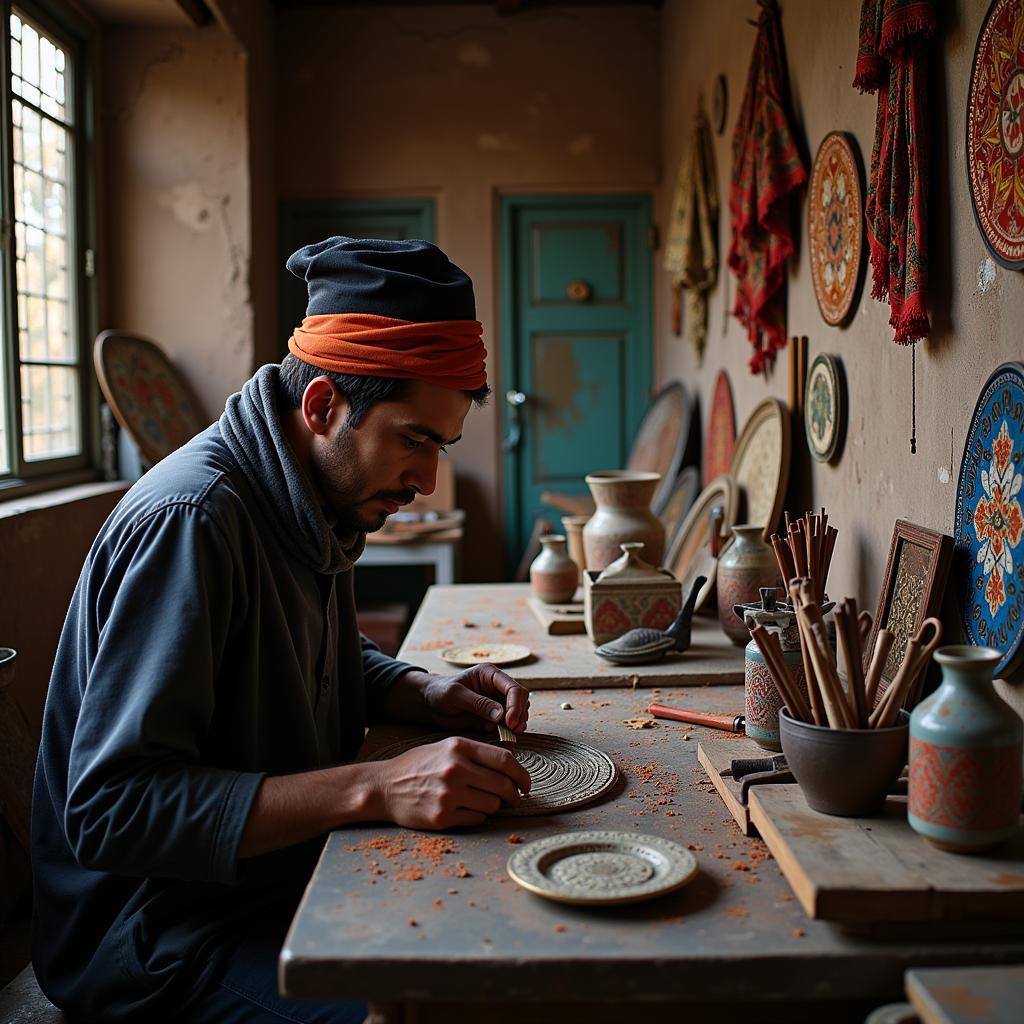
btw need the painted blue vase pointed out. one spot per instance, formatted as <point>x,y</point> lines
<point>965,756</point>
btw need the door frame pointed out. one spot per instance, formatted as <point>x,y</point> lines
<point>510,208</point>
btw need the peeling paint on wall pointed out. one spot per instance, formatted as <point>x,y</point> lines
<point>986,275</point>
<point>190,205</point>
<point>943,475</point>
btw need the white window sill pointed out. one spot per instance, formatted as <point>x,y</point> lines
<point>59,496</point>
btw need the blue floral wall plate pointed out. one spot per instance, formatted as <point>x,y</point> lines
<point>825,408</point>
<point>989,525</point>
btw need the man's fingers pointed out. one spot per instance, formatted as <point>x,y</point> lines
<point>516,697</point>
<point>500,760</point>
<point>497,783</point>
<point>462,817</point>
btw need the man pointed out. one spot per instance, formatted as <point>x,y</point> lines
<point>210,681</point>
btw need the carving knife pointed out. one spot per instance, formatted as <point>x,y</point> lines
<point>730,723</point>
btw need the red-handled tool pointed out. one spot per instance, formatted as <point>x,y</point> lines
<point>730,723</point>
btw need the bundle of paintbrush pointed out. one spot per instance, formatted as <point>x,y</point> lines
<point>805,550</point>
<point>856,705</point>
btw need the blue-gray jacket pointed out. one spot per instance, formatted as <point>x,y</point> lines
<point>211,640</point>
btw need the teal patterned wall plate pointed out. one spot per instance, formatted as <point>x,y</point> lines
<point>989,522</point>
<point>825,408</point>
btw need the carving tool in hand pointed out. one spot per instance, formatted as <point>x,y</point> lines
<point>730,723</point>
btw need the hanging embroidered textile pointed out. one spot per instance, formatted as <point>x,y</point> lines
<point>891,61</point>
<point>691,255</point>
<point>767,169</point>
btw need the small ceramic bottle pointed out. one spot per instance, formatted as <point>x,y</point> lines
<point>965,756</point>
<point>553,574</point>
<point>744,567</point>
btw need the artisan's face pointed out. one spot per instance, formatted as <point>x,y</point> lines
<point>368,472</point>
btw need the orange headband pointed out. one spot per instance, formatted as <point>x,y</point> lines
<point>449,353</point>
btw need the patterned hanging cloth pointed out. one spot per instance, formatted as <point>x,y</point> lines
<point>767,168</point>
<point>691,255</point>
<point>891,61</point>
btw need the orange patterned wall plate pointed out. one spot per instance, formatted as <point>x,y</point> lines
<point>835,226</point>
<point>721,437</point>
<point>995,132</point>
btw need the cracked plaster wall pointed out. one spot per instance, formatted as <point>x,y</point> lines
<point>174,109</point>
<point>976,306</point>
<point>463,105</point>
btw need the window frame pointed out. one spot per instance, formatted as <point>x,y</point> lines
<point>77,36</point>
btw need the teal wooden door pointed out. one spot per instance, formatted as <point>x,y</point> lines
<point>577,328</point>
<point>303,223</point>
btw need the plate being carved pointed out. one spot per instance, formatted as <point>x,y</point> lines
<point>602,867</point>
<point>564,774</point>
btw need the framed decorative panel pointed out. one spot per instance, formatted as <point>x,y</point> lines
<point>915,578</point>
<point>989,522</point>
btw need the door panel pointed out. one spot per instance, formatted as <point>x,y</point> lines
<point>576,280</point>
<point>303,223</point>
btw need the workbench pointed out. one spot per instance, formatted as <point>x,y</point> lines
<point>429,935</point>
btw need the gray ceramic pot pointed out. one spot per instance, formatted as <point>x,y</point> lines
<point>844,771</point>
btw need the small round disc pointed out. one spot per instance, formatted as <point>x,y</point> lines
<point>491,654</point>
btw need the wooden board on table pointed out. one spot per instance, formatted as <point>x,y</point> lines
<point>558,619</point>
<point>878,870</point>
<point>967,995</point>
<point>716,757</point>
<point>488,613</point>
<point>417,539</point>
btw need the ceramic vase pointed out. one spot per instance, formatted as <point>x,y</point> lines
<point>573,526</point>
<point>744,568</point>
<point>965,756</point>
<point>623,515</point>
<point>553,574</point>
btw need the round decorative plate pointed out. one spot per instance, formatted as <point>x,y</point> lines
<point>825,408</point>
<point>760,464</point>
<point>490,654</point>
<point>661,442</point>
<point>721,437</point>
<point>686,488</point>
<point>835,226</point>
<point>564,774</point>
<point>690,553</point>
<point>602,867</point>
<point>989,523</point>
<point>719,103</point>
<point>995,132</point>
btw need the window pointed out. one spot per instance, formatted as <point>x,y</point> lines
<point>47,401</point>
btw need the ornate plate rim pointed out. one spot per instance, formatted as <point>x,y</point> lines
<point>726,486</point>
<point>760,413</point>
<point>850,141</point>
<point>522,653</point>
<point>835,373</point>
<point>998,257</point>
<point>684,866</point>
<point>1012,662</point>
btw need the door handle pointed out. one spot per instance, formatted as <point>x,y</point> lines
<point>515,399</point>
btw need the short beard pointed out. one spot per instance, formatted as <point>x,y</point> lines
<point>339,479</point>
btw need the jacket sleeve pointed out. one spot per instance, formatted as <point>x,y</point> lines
<point>140,800</point>
<point>379,674</point>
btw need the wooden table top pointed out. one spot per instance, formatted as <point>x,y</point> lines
<point>387,916</point>
<point>499,613</point>
<point>968,995</point>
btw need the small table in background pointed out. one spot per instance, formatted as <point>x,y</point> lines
<point>442,550</point>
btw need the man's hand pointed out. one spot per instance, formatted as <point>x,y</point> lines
<point>475,698</point>
<point>442,785</point>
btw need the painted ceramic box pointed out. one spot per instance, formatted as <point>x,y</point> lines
<point>627,595</point>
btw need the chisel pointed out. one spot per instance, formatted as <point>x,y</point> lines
<point>730,723</point>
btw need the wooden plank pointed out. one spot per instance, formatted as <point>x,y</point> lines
<point>558,619</point>
<point>878,869</point>
<point>967,995</point>
<point>716,757</point>
<point>500,613</point>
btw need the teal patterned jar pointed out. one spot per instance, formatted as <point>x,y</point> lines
<point>965,756</point>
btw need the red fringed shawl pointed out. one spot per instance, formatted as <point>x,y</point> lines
<point>767,167</point>
<point>891,61</point>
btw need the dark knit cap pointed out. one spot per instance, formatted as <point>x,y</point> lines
<point>409,280</point>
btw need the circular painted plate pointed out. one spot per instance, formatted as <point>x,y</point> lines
<point>661,442</point>
<point>690,553</point>
<point>686,489</point>
<point>490,654</point>
<point>721,438</point>
<point>564,774</point>
<point>601,867</point>
<point>760,464</point>
<point>835,226</point>
<point>719,103</point>
<point>989,523</point>
<point>825,408</point>
<point>995,132</point>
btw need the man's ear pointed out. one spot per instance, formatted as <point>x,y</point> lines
<point>323,405</point>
